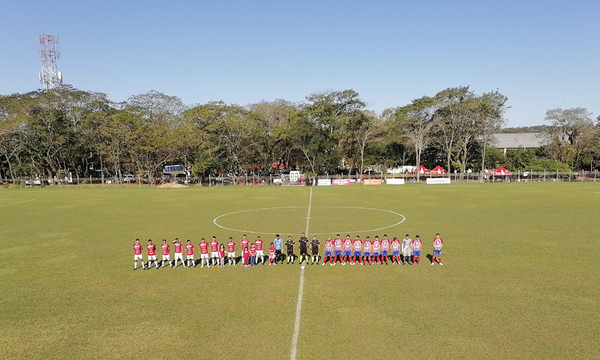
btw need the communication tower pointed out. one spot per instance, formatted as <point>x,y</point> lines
<point>50,77</point>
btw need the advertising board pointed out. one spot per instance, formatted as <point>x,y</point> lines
<point>324,182</point>
<point>340,181</point>
<point>372,181</point>
<point>438,181</point>
<point>394,181</point>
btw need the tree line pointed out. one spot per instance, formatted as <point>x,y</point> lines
<point>51,133</point>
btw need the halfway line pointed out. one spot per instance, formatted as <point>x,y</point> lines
<point>308,214</point>
<point>300,290</point>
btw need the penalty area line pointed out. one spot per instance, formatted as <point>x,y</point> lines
<point>300,290</point>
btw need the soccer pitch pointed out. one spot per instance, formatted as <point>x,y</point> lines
<point>520,278</point>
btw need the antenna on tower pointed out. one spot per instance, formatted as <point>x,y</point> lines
<point>50,77</point>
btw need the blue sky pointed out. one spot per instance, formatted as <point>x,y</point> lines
<point>541,54</point>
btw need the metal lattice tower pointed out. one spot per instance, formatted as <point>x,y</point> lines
<point>50,77</point>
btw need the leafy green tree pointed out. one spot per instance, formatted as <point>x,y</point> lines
<point>492,119</point>
<point>233,135</point>
<point>571,135</point>
<point>155,105</point>
<point>275,143</point>
<point>417,120</point>
<point>370,132</point>
<point>338,114</point>
<point>467,120</point>
<point>449,124</point>
<point>314,143</point>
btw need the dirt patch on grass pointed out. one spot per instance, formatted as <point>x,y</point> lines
<point>171,186</point>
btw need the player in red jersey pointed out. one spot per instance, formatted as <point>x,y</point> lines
<point>203,246</point>
<point>357,245</point>
<point>151,254</point>
<point>166,256</point>
<point>367,251</point>
<point>245,243</point>
<point>338,244</point>
<point>231,251</point>
<point>328,252</point>
<point>416,248</point>
<point>178,254</point>
<point>214,251</point>
<point>272,254</point>
<point>260,253</point>
<point>137,254</point>
<point>385,247</point>
<point>189,249</point>
<point>347,249</point>
<point>438,243</point>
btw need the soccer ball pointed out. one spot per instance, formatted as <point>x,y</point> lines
<point>302,267</point>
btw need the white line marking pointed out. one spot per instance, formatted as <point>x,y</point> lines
<point>297,321</point>
<point>215,220</point>
<point>17,203</point>
<point>300,290</point>
<point>308,214</point>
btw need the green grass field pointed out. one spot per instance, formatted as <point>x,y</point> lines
<point>521,276</point>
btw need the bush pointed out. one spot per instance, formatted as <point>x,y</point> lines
<point>545,165</point>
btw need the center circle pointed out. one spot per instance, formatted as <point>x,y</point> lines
<point>293,219</point>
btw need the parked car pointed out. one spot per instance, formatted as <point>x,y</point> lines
<point>36,181</point>
<point>128,179</point>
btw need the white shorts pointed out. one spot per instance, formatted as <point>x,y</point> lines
<point>407,252</point>
<point>231,254</point>
<point>203,256</point>
<point>260,253</point>
<point>178,256</point>
<point>271,256</point>
<point>190,257</point>
<point>138,257</point>
<point>214,254</point>
<point>153,257</point>
<point>166,258</point>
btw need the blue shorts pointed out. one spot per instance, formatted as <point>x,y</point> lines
<point>417,253</point>
<point>347,252</point>
<point>338,253</point>
<point>327,253</point>
<point>375,254</point>
<point>396,253</point>
<point>384,253</point>
<point>357,253</point>
<point>367,253</point>
<point>437,252</point>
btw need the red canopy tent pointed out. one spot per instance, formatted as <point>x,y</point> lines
<point>438,170</point>
<point>501,172</point>
<point>423,170</point>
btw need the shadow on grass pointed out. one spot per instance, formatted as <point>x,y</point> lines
<point>430,258</point>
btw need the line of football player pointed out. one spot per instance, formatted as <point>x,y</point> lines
<point>352,251</point>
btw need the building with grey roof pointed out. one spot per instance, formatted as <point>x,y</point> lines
<point>517,140</point>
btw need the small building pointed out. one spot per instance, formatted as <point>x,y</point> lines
<point>507,141</point>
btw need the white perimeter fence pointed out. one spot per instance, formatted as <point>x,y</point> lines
<point>283,180</point>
